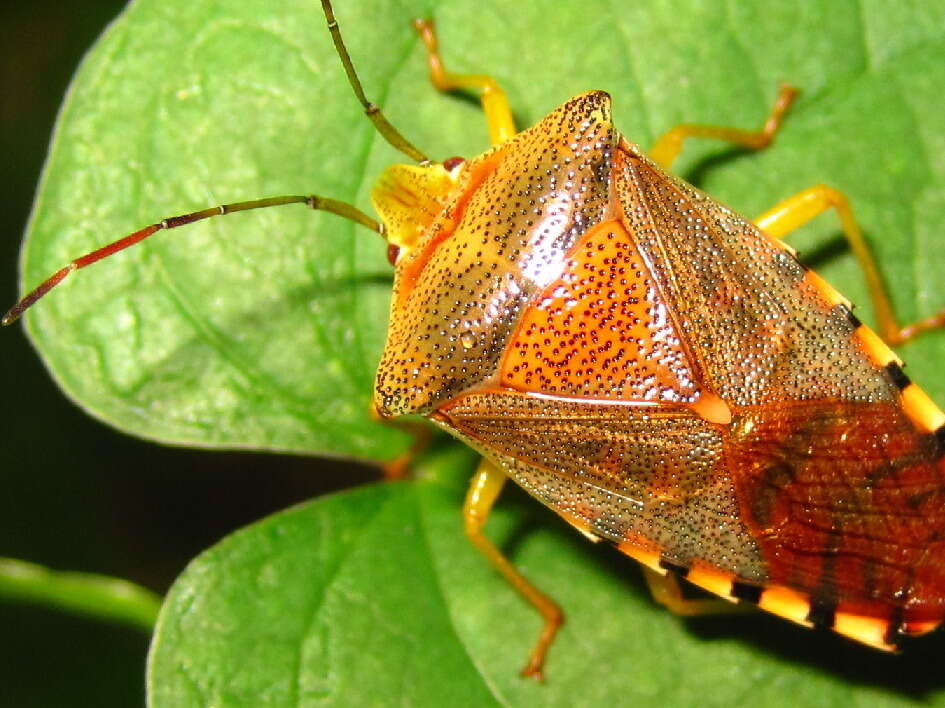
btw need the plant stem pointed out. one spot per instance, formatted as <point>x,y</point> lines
<point>98,596</point>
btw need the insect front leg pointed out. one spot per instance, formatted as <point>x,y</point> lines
<point>421,434</point>
<point>483,491</point>
<point>667,148</point>
<point>796,211</point>
<point>494,102</point>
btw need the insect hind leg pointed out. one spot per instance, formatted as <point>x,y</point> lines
<point>666,590</point>
<point>796,211</point>
<point>494,101</point>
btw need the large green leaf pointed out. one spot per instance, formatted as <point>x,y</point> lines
<point>374,597</point>
<point>263,329</point>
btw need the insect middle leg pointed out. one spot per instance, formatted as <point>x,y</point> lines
<point>494,102</point>
<point>796,211</point>
<point>667,148</point>
<point>484,489</point>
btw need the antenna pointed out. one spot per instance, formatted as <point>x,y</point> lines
<point>312,201</point>
<point>371,110</point>
<point>347,211</point>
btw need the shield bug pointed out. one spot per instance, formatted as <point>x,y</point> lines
<point>657,369</point>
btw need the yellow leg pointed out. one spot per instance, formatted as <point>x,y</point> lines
<point>399,467</point>
<point>666,591</point>
<point>494,103</point>
<point>667,148</point>
<point>483,492</point>
<point>801,208</point>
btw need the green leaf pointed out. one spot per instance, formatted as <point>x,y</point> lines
<point>374,597</point>
<point>263,329</point>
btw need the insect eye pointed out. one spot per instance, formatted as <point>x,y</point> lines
<point>452,163</point>
<point>393,252</point>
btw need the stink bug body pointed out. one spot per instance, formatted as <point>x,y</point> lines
<point>729,374</point>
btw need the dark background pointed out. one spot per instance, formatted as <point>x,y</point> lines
<point>130,509</point>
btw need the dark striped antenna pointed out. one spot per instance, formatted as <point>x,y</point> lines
<point>347,211</point>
